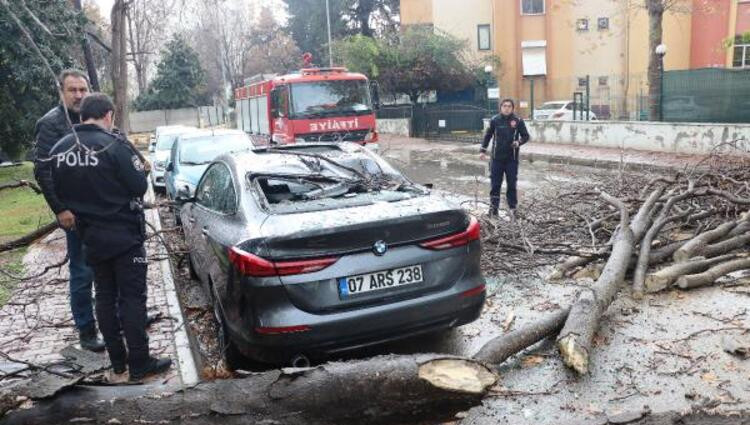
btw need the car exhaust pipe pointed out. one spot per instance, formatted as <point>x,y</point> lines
<point>300,360</point>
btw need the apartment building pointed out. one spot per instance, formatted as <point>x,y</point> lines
<point>557,43</point>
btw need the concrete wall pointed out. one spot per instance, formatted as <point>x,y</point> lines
<point>204,116</point>
<point>650,136</point>
<point>398,126</point>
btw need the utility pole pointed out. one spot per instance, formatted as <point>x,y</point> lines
<point>330,50</point>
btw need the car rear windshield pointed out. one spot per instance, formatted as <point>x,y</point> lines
<point>202,150</point>
<point>308,182</point>
<point>551,106</point>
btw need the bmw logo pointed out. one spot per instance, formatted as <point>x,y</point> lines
<point>379,248</point>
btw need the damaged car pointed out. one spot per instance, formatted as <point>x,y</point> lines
<point>310,250</point>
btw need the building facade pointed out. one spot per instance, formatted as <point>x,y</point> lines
<point>558,43</point>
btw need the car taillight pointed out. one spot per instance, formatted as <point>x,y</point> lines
<point>474,291</point>
<point>459,239</point>
<point>253,265</point>
<point>558,114</point>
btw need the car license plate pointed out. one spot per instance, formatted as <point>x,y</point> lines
<point>377,281</point>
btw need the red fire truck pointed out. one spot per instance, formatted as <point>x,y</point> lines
<point>313,105</point>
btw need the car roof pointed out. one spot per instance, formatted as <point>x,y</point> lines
<point>263,161</point>
<point>201,133</point>
<point>172,129</point>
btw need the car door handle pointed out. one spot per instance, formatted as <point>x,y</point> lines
<point>204,231</point>
<point>191,219</point>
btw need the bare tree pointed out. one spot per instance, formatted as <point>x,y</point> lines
<point>146,30</point>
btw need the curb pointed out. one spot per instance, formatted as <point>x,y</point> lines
<point>185,359</point>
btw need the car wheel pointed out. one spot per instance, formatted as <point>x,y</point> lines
<point>232,357</point>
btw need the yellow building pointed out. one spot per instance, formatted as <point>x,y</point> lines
<point>557,43</point>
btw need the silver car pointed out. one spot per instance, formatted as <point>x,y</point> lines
<point>159,149</point>
<point>314,249</point>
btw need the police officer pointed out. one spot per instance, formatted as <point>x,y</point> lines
<point>510,133</point>
<point>101,179</point>
<point>49,130</point>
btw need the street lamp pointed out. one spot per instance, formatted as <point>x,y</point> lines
<point>661,51</point>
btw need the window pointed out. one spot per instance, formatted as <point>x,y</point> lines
<point>581,81</point>
<point>582,24</point>
<point>483,37</point>
<point>603,81</point>
<point>216,190</point>
<point>280,102</point>
<point>534,57</point>
<point>602,23</point>
<point>532,7</point>
<point>741,57</point>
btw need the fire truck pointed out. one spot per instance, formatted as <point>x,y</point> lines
<point>312,105</point>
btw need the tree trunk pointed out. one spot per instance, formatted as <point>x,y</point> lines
<point>119,64</point>
<point>381,390</point>
<point>87,55</point>
<point>29,238</point>
<point>665,277</point>
<point>655,63</point>
<point>727,245</point>
<point>696,245</point>
<point>498,349</point>
<point>577,335</point>
<point>709,276</point>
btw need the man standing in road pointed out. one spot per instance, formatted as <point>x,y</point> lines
<point>102,179</point>
<point>49,130</point>
<point>510,133</point>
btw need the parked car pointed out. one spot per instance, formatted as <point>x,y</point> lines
<point>192,152</point>
<point>561,110</point>
<point>313,249</point>
<point>159,148</point>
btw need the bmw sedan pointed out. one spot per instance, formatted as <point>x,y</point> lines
<point>314,249</point>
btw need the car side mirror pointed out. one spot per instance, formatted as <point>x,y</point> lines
<point>428,185</point>
<point>152,147</point>
<point>170,167</point>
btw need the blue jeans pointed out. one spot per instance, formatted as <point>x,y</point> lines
<point>498,169</point>
<point>81,281</point>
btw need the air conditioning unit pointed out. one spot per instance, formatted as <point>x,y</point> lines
<point>603,23</point>
<point>582,24</point>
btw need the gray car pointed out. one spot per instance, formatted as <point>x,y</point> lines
<point>314,249</point>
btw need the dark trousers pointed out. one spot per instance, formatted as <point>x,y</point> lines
<point>500,168</point>
<point>81,281</point>
<point>121,286</point>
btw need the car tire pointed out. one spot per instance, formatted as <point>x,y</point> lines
<point>231,355</point>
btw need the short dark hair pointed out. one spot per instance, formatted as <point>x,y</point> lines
<point>95,106</point>
<point>72,73</point>
<point>508,100</point>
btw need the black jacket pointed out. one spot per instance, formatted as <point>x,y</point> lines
<point>506,129</point>
<point>49,130</point>
<point>101,182</point>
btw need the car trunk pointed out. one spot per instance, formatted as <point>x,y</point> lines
<point>350,236</point>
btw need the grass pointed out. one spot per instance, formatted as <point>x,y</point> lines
<point>10,262</point>
<point>21,211</point>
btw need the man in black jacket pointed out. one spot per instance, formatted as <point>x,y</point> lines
<point>510,133</point>
<point>100,177</point>
<point>49,130</point>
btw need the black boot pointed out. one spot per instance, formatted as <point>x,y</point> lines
<point>493,212</point>
<point>90,340</point>
<point>153,366</point>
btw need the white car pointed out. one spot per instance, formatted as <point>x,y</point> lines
<point>561,110</point>
<point>159,149</point>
